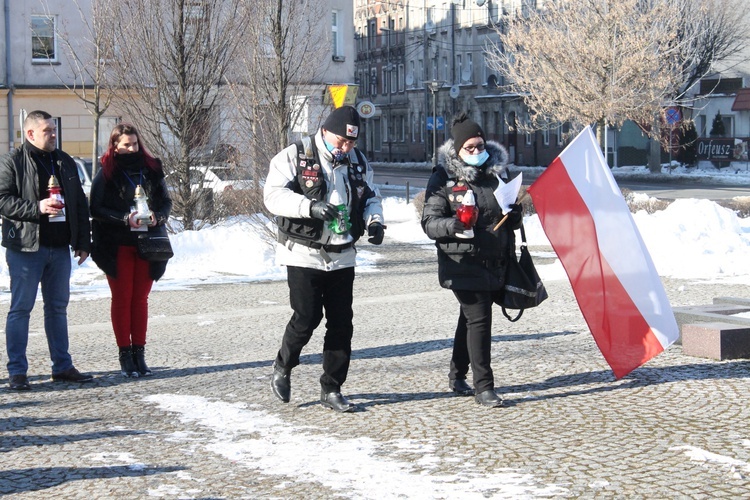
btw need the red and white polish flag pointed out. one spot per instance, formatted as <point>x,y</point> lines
<point>589,225</point>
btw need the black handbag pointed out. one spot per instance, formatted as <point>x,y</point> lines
<point>154,247</point>
<point>522,288</point>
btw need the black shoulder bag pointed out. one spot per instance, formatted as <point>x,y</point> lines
<point>522,288</point>
<point>154,246</point>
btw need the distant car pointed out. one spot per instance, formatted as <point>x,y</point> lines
<point>217,154</point>
<point>84,172</point>
<point>219,178</point>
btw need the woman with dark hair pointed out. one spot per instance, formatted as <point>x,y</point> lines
<point>127,168</point>
<point>472,252</point>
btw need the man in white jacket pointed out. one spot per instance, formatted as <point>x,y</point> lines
<point>322,193</point>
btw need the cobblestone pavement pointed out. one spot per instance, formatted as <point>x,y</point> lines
<point>675,428</point>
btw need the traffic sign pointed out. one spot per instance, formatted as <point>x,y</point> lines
<point>673,116</point>
<point>440,123</point>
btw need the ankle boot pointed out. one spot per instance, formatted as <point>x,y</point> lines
<point>139,353</point>
<point>127,366</point>
<point>281,384</point>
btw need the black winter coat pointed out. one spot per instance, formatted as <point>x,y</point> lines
<point>19,200</point>
<point>112,202</point>
<point>477,263</point>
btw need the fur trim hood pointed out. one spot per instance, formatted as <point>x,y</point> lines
<point>496,164</point>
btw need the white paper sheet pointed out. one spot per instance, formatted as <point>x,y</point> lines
<point>507,194</point>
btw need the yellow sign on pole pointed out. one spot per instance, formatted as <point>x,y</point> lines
<point>342,94</point>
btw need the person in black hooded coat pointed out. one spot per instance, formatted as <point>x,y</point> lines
<point>125,165</point>
<point>472,268</point>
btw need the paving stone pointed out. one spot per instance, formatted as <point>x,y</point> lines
<point>568,424</point>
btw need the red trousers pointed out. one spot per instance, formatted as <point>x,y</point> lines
<point>130,297</point>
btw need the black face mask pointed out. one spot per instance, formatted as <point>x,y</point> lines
<point>129,160</point>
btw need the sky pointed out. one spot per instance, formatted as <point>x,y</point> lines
<point>692,239</point>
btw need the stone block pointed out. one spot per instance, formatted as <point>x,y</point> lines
<point>716,340</point>
<point>723,310</point>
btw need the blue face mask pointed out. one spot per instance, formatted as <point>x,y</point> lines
<point>476,160</point>
<point>338,155</point>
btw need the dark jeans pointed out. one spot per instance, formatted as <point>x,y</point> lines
<point>472,342</point>
<point>310,292</point>
<point>49,266</point>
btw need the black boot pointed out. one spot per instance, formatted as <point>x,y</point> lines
<point>460,387</point>
<point>281,385</point>
<point>489,398</point>
<point>139,359</point>
<point>127,366</point>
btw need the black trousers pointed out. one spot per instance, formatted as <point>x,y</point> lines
<point>310,292</point>
<point>473,339</point>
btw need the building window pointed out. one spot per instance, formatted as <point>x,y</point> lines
<point>402,127</point>
<point>459,66</point>
<point>728,125</point>
<point>446,74</point>
<point>560,135</point>
<point>468,74</point>
<point>384,82</point>
<point>527,121</point>
<point>376,140</point>
<point>702,132</point>
<point>43,41</point>
<point>401,78</point>
<point>336,34</point>
<point>545,136</point>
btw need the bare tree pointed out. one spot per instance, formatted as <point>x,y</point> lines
<point>605,61</point>
<point>90,54</point>
<point>713,31</point>
<point>279,69</point>
<point>710,31</point>
<point>172,63</point>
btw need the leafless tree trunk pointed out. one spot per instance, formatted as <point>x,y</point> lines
<point>281,61</point>
<point>173,58</point>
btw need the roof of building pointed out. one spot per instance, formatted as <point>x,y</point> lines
<point>742,101</point>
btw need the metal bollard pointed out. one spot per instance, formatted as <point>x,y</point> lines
<point>407,191</point>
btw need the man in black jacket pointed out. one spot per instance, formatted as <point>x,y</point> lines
<point>37,233</point>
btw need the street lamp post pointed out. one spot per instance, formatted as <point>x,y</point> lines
<point>434,87</point>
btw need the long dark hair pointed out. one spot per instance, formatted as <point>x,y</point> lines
<point>108,158</point>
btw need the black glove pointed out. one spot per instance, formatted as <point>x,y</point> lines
<point>375,231</point>
<point>515,216</point>
<point>456,226</point>
<point>323,211</point>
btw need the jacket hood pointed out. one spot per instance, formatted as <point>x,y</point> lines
<point>496,164</point>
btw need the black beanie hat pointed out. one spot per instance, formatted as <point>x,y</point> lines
<point>343,121</point>
<point>464,129</point>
